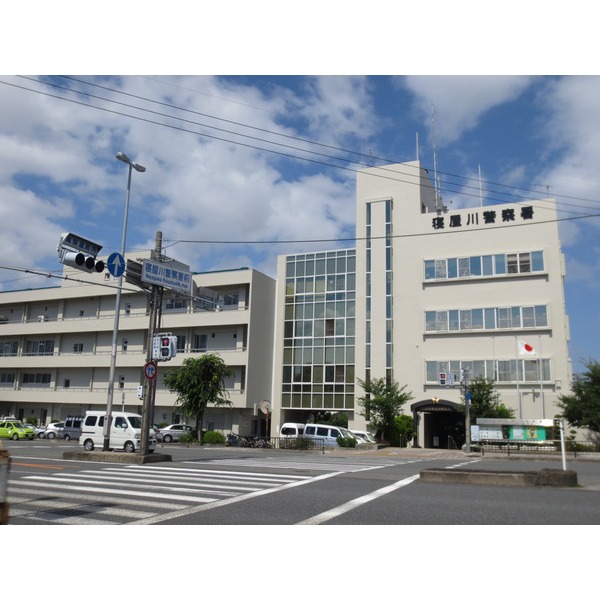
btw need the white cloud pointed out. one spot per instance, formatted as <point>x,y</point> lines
<point>459,102</point>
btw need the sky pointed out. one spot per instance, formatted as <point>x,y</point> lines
<point>251,119</point>
<point>242,168</point>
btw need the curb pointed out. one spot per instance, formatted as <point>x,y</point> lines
<point>545,477</point>
<point>132,458</point>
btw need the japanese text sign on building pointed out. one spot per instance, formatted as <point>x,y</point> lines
<point>488,217</point>
<point>168,274</point>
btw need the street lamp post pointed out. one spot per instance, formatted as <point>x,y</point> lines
<point>113,352</point>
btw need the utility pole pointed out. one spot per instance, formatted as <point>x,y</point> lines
<point>467,393</point>
<point>150,384</point>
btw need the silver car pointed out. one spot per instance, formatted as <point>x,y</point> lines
<point>53,430</point>
<point>172,433</point>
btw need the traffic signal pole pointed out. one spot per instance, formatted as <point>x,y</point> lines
<point>150,384</point>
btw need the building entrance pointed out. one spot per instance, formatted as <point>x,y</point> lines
<point>439,424</point>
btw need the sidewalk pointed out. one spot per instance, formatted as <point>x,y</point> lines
<point>433,453</point>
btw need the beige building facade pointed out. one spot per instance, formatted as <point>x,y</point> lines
<point>439,296</point>
<point>55,346</point>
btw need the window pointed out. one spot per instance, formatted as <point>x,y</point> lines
<point>7,378</point>
<point>509,317</point>
<point>40,347</point>
<point>486,266</point>
<point>200,343</point>
<point>9,348</point>
<point>175,304</point>
<point>78,348</point>
<point>36,378</point>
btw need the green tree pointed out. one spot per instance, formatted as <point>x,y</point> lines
<point>383,402</point>
<point>485,401</point>
<point>404,429</point>
<point>581,408</point>
<point>199,382</point>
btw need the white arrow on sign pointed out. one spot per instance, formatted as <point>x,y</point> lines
<point>115,264</point>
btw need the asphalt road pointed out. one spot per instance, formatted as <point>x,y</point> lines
<point>245,486</point>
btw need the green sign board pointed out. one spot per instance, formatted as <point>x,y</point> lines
<point>527,433</point>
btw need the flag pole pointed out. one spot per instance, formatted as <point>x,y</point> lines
<point>541,369</point>
<point>517,367</point>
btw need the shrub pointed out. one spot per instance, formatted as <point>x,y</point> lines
<point>301,443</point>
<point>213,437</point>
<point>344,442</point>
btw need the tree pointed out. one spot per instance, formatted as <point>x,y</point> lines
<point>199,382</point>
<point>485,401</point>
<point>383,402</point>
<point>582,407</point>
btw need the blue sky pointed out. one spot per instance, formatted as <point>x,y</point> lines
<point>266,159</point>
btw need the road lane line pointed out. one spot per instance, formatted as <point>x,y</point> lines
<point>344,508</point>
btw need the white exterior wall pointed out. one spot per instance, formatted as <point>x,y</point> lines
<point>415,240</point>
<point>79,313</point>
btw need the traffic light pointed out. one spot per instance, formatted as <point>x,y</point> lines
<point>442,378</point>
<point>79,253</point>
<point>164,347</point>
<point>80,261</point>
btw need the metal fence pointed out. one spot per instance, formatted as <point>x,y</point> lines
<point>572,448</point>
<point>279,443</point>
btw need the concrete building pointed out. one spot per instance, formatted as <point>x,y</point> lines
<point>428,296</point>
<point>55,346</point>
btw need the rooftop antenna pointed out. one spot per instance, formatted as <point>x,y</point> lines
<point>440,207</point>
<point>480,193</point>
<point>417,140</point>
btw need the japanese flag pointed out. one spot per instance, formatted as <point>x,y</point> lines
<point>526,349</point>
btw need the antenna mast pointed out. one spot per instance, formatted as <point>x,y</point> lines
<point>438,196</point>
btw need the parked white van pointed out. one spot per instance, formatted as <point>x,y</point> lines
<point>125,431</point>
<point>328,434</point>
<point>291,430</point>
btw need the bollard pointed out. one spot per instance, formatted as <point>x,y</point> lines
<point>4,469</point>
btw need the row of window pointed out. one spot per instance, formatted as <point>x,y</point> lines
<point>26,378</point>
<point>320,263</point>
<point>485,266</point>
<point>319,374</point>
<point>319,401</point>
<point>511,317</point>
<point>512,370</point>
<point>46,347</point>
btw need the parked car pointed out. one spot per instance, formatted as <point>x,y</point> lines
<point>71,429</point>
<point>15,430</point>
<point>53,430</point>
<point>37,430</point>
<point>364,436</point>
<point>172,433</point>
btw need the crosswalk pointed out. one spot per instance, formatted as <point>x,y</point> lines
<point>119,494</point>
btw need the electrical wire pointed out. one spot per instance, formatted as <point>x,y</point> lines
<point>383,169</point>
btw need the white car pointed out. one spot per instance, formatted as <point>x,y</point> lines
<point>364,436</point>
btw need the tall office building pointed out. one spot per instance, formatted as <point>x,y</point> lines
<point>431,296</point>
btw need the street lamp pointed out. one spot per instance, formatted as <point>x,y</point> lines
<point>113,352</point>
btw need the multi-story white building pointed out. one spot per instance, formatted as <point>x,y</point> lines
<point>429,295</point>
<point>55,346</point>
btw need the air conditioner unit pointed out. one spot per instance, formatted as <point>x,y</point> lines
<point>41,318</point>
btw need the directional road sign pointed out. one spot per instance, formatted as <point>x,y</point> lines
<point>115,264</point>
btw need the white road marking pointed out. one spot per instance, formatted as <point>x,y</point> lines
<point>344,508</point>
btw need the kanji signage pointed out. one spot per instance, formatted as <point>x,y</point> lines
<point>485,217</point>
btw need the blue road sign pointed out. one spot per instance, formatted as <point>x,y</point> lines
<point>115,264</point>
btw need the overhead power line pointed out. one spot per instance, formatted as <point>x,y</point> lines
<point>393,175</point>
